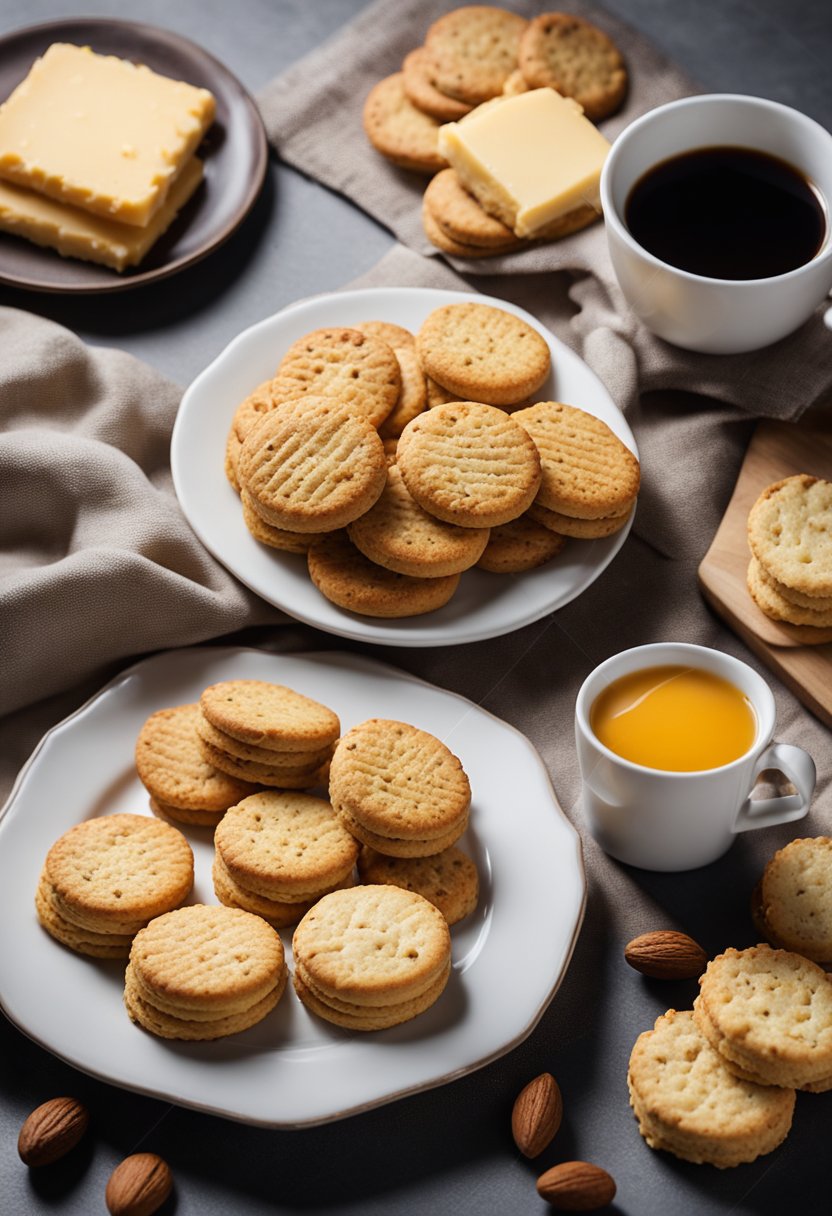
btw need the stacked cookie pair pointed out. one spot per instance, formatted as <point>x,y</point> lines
<point>202,973</point>
<point>106,878</point>
<point>717,1083</point>
<point>277,853</point>
<point>267,734</point>
<point>472,56</point>
<point>790,572</point>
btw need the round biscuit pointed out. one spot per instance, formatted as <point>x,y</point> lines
<point>82,941</point>
<point>398,534</point>
<point>354,1017</point>
<point>448,879</point>
<point>588,473</point>
<point>285,846</point>
<point>166,1026</point>
<point>357,368</point>
<point>175,815</point>
<point>372,945</point>
<point>269,715</point>
<point>399,781</point>
<point>267,534</point>
<point>766,596</point>
<point>280,914</point>
<point>473,50</point>
<point>347,578</point>
<point>413,398</point>
<point>394,846</point>
<point>795,897</point>
<point>398,130</point>
<point>579,529</point>
<point>469,464</point>
<point>420,89</point>
<point>279,777</point>
<point>790,533</point>
<point>483,353</point>
<point>172,767</point>
<point>462,218</point>
<point>118,871</point>
<point>566,53</point>
<point>313,465</point>
<point>521,544</point>
<point>271,757</point>
<point>394,335</point>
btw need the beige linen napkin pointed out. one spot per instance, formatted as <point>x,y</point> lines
<point>312,114</point>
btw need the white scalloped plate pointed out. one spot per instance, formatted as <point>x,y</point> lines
<point>485,605</point>
<point>293,1069</point>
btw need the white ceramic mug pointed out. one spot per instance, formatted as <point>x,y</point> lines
<point>717,316</point>
<point>660,820</point>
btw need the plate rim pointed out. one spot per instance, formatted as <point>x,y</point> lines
<point>378,631</point>
<point>361,662</point>
<point>259,145</point>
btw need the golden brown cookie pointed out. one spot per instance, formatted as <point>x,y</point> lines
<point>773,603</point>
<point>790,533</point>
<point>252,408</point>
<point>347,578</point>
<point>279,776</point>
<point>399,783</point>
<point>398,534</point>
<point>588,472</point>
<point>394,335</point>
<point>420,89</point>
<point>275,756</point>
<point>580,529</point>
<point>442,239</point>
<point>396,129</point>
<point>82,941</point>
<point>794,898</point>
<point>473,50</point>
<point>176,815</point>
<point>174,771</point>
<point>371,956</point>
<point>280,914</point>
<point>275,538</point>
<point>285,846</point>
<point>114,873</point>
<point>461,216</point>
<point>566,53</point>
<point>312,466</point>
<point>688,1103</point>
<point>522,544</point>
<point>768,1013</point>
<point>357,368</point>
<point>269,715</point>
<point>483,353</point>
<point>204,972</point>
<point>413,397</point>
<point>469,464</point>
<point>449,879</point>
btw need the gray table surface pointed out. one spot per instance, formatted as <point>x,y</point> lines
<point>448,1150</point>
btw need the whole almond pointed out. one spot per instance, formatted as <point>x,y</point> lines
<point>576,1186</point>
<point>52,1130</point>
<point>666,955</point>
<point>139,1186</point>
<point>536,1115</point>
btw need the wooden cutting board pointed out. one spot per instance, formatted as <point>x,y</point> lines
<point>777,450</point>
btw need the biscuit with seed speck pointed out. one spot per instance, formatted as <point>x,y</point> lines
<point>269,715</point>
<point>522,544</point>
<point>473,50</point>
<point>448,879</point>
<point>400,132</point>
<point>483,353</point>
<point>350,580</point>
<point>790,533</point>
<point>398,534</point>
<point>312,466</point>
<point>420,89</point>
<point>795,897</point>
<point>566,53</point>
<point>358,369</point>
<point>588,472</point>
<point>469,464</point>
<point>688,1103</point>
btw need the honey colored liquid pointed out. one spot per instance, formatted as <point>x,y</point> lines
<point>680,719</point>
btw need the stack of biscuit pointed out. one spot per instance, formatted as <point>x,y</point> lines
<point>399,789</point>
<point>790,572</point>
<point>448,879</point>
<point>277,853</point>
<point>266,734</point>
<point>473,55</point>
<point>439,477</point>
<point>183,786</point>
<point>371,957</point>
<point>105,878</point>
<point>792,903</point>
<point>202,973</point>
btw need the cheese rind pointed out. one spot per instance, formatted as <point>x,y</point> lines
<point>100,133</point>
<point>527,159</point>
<point>80,234</point>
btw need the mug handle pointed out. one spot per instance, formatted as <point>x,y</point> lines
<point>795,764</point>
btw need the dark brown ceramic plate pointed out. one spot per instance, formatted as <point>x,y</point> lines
<point>234,151</point>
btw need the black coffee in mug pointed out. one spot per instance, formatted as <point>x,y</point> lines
<point>727,213</point>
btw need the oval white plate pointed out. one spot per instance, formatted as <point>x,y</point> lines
<point>485,605</point>
<point>294,1069</point>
